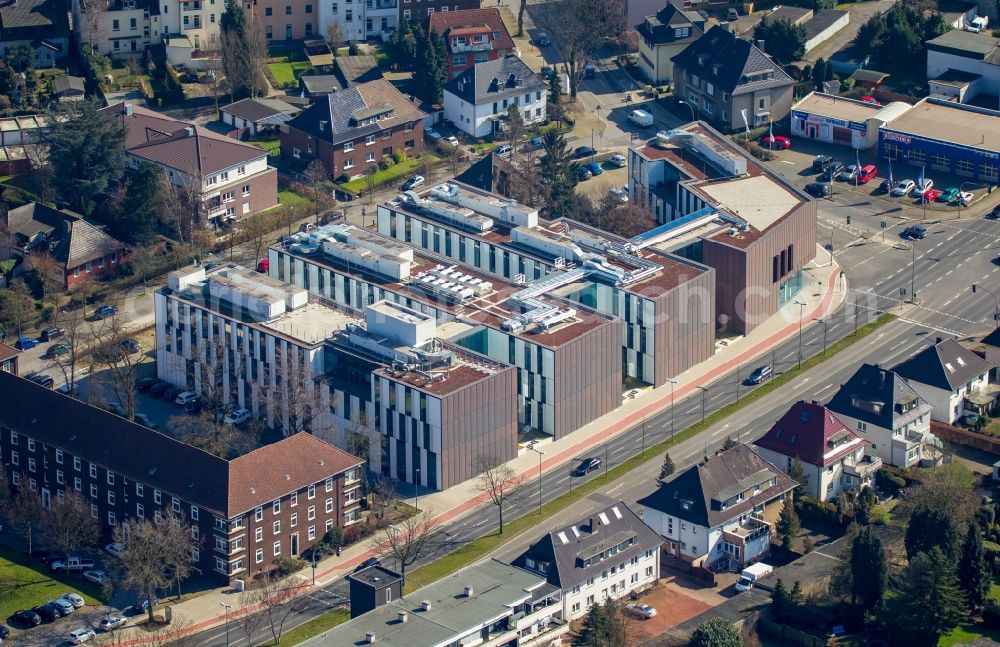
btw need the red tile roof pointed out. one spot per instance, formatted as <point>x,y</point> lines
<point>806,431</point>
<point>443,22</point>
<point>276,470</point>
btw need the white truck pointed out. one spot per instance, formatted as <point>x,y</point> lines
<point>978,24</point>
<point>641,118</point>
<point>751,574</point>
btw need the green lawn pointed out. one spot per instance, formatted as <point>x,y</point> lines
<point>32,585</point>
<point>289,197</point>
<point>968,632</point>
<point>272,146</point>
<point>314,627</point>
<point>394,172</point>
<point>286,73</point>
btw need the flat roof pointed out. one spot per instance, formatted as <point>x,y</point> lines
<point>966,41</point>
<point>312,323</point>
<point>757,199</point>
<point>954,123</point>
<point>827,105</point>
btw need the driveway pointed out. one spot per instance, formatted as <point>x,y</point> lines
<point>673,606</point>
<point>860,13</point>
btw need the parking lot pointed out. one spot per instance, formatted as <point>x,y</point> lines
<point>796,166</point>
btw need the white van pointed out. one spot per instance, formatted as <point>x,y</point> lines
<point>751,574</point>
<point>978,24</point>
<point>641,118</point>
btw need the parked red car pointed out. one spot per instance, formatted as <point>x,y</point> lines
<point>867,173</point>
<point>870,99</point>
<point>775,142</point>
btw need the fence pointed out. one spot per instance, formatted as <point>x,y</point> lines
<point>965,437</point>
<point>788,635</point>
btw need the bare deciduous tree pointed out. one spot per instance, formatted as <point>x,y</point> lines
<point>334,35</point>
<point>250,623</point>
<point>155,554</point>
<point>111,337</point>
<point>143,261</point>
<point>407,542</point>
<point>26,511</point>
<point>292,393</point>
<point>370,179</point>
<point>255,232</point>
<point>498,481</point>
<point>68,526</point>
<point>49,271</point>
<point>384,490</point>
<point>320,187</point>
<point>578,28</point>
<point>275,599</point>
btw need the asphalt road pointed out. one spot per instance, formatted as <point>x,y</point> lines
<point>952,256</point>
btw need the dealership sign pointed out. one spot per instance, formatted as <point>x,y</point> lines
<point>896,137</point>
<point>820,119</point>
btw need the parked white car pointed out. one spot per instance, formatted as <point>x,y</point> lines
<point>81,635</point>
<point>619,194</point>
<point>237,417</point>
<point>74,599</point>
<point>111,622</point>
<point>903,187</point>
<point>965,198</point>
<point>115,550</point>
<point>918,191</point>
<point>451,139</point>
<point>97,577</point>
<point>618,161</point>
<point>643,611</point>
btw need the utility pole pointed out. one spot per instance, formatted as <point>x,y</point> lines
<point>672,383</point>
<point>913,270</point>
<point>703,392</point>
<point>801,306</point>
<point>996,301</point>
<point>540,454</point>
<point>227,607</point>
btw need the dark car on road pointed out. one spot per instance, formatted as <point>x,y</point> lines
<point>158,389</point>
<point>51,333</point>
<point>760,374</point>
<point>371,561</point>
<point>48,612</point>
<point>915,232</point>
<point>27,617</point>
<point>583,151</point>
<point>103,312</point>
<point>145,384</point>
<point>43,380</point>
<point>130,345</point>
<point>821,163</point>
<point>818,189</point>
<point>587,466</point>
<point>832,171</point>
<point>994,214</point>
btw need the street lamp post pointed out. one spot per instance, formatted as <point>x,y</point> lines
<point>313,564</point>
<point>227,607</point>
<point>996,301</point>
<point>540,454</point>
<point>801,306</point>
<point>416,490</point>
<point>825,324</point>
<point>690,107</point>
<point>961,189</point>
<point>605,459</point>
<point>737,382</point>
<point>672,383</point>
<point>703,392</point>
<point>913,270</point>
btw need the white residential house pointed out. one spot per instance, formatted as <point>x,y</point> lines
<point>603,557</point>
<point>833,457</point>
<point>968,64</point>
<point>478,99</point>
<point>882,408</point>
<point>714,512</point>
<point>952,379</point>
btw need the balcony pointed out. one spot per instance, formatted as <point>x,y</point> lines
<point>865,468</point>
<point>743,534</point>
<point>191,6</point>
<point>382,5</point>
<point>459,48</point>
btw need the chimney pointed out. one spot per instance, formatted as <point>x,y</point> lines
<point>760,46</point>
<point>370,637</point>
<point>189,131</point>
<point>402,616</point>
<point>469,592</point>
<point>426,605</point>
<point>128,109</point>
<point>322,126</point>
<point>938,340</point>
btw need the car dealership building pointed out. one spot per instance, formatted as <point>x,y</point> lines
<point>945,136</point>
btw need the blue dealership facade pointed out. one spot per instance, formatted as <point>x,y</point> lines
<point>945,136</point>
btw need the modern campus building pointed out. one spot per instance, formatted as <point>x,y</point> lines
<point>244,513</point>
<point>430,409</point>
<point>728,213</point>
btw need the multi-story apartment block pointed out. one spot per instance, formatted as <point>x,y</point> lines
<point>730,82</point>
<point>567,366</point>
<point>353,129</point>
<point>833,457</point>
<point>231,179</point>
<point>477,100</point>
<point>601,558</point>
<point>359,20</point>
<point>244,513</point>
<point>716,511</point>
<point>879,406</point>
<point>664,302</point>
<point>756,229</point>
<point>430,408</point>
<point>473,36</point>
<point>420,11</point>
